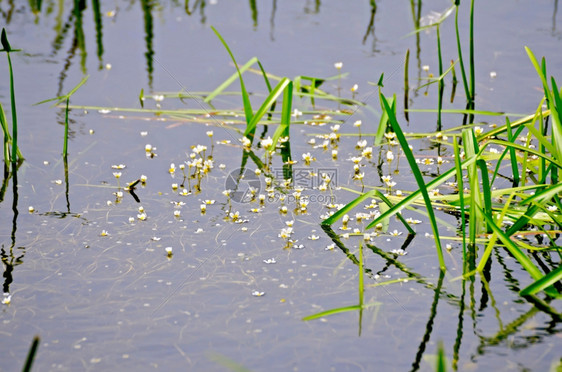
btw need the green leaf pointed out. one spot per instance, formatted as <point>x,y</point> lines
<point>230,80</point>
<point>245,97</point>
<point>5,44</point>
<point>332,311</point>
<point>418,176</point>
<point>349,206</point>
<point>543,283</point>
<point>527,264</point>
<point>271,98</point>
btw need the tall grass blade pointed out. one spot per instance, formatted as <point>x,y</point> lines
<point>441,359</point>
<point>31,354</point>
<point>517,253</point>
<point>418,176</point>
<point>347,208</point>
<point>472,64</point>
<point>66,98</point>
<point>6,47</point>
<point>245,97</point>
<point>283,128</point>
<point>543,283</point>
<point>460,187</point>
<point>512,154</point>
<point>270,99</point>
<point>406,85</point>
<point>230,80</point>
<point>475,199</point>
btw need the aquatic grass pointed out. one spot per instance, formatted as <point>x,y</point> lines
<point>245,96</point>
<point>31,354</point>
<point>65,98</point>
<point>16,154</point>
<point>360,288</point>
<point>418,176</point>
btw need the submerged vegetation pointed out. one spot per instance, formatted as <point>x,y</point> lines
<point>490,191</point>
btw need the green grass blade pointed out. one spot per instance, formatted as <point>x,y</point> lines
<point>271,98</point>
<point>414,196</point>
<point>245,97</point>
<point>475,201</point>
<point>230,80</point>
<point>493,238</point>
<point>521,257</point>
<point>441,359</point>
<point>331,312</point>
<point>399,215</point>
<point>267,83</point>
<point>418,176</point>
<point>512,155</point>
<point>15,150</point>
<point>544,195</point>
<point>460,187</point>
<point>485,186</point>
<point>348,207</point>
<point>283,129</point>
<point>383,123</point>
<point>543,283</point>
<point>31,354</point>
<point>6,133</point>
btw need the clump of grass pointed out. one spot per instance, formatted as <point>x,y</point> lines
<point>15,155</point>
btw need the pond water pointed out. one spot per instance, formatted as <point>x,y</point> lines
<point>88,271</point>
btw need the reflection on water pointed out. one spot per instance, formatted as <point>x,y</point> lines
<point>117,298</point>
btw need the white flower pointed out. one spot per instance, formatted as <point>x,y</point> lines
<point>313,237</point>
<point>169,251</point>
<point>246,142</point>
<point>199,148</point>
<point>7,299</point>
<point>338,65</point>
<point>399,252</point>
<point>307,158</point>
<point>286,232</point>
<point>389,156</point>
<point>258,293</point>
<point>362,144</point>
<point>356,159</point>
<point>270,261</point>
<point>117,174</point>
<point>359,176</point>
<point>266,143</point>
<point>395,233</point>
